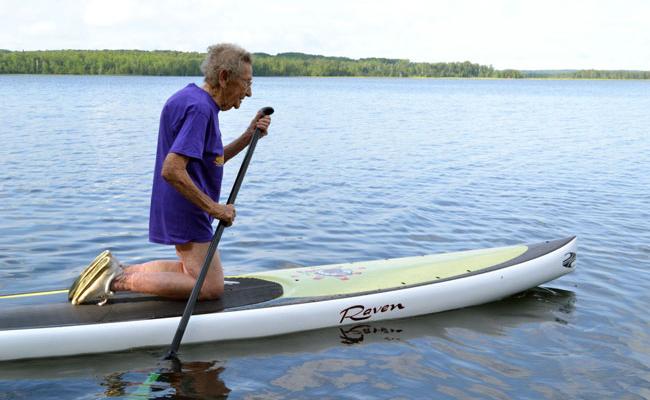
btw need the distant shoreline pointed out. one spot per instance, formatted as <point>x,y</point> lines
<point>176,63</point>
<point>339,77</point>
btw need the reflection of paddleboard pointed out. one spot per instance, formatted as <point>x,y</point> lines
<point>277,302</point>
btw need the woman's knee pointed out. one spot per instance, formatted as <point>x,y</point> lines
<point>211,291</point>
<point>192,257</point>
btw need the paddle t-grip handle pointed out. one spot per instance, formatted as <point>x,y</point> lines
<point>266,110</point>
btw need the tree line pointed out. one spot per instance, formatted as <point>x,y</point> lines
<point>175,63</point>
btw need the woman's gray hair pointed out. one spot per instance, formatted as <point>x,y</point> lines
<point>224,57</point>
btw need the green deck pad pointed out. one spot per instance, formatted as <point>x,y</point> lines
<point>359,277</point>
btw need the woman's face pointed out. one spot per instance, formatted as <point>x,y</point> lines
<point>237,88</point>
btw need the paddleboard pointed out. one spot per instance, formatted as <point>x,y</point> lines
<point>45,324</point>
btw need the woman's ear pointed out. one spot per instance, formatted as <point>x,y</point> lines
<point>223,78</point>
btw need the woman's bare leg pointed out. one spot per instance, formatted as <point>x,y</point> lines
<point>174,279</point>
<point>155,266</point>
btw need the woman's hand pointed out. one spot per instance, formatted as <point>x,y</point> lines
<point>224,212</point>
<point>261,122</point>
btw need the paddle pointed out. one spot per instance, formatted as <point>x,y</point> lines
<point>191,302</point>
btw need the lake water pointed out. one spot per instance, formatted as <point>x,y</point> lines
<point>354,169</point>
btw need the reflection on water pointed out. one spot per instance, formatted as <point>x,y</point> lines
<point>181,380</point>
<point>356,333</point>
<point>174,380</point>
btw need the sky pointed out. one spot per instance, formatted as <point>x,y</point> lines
<point>528,35</point>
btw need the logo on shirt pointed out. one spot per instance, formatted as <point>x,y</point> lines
<point>219,161</point>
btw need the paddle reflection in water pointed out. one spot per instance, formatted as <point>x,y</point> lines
<point>189,380</point>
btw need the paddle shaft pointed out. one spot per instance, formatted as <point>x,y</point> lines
<point>191,302</point>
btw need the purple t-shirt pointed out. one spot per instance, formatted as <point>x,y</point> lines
<point>189,125</point>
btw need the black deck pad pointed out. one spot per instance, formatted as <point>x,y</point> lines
<point>55,311</point>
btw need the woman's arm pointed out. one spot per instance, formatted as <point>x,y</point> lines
<point>174,171</point>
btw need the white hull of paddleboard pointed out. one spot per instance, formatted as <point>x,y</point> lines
<point>283,319</point>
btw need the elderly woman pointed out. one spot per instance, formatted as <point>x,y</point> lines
<point>186,187</point>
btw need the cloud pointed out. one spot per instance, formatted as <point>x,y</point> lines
<point>111,13</point>
<point>39,28</point>
<point>504,33</point>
